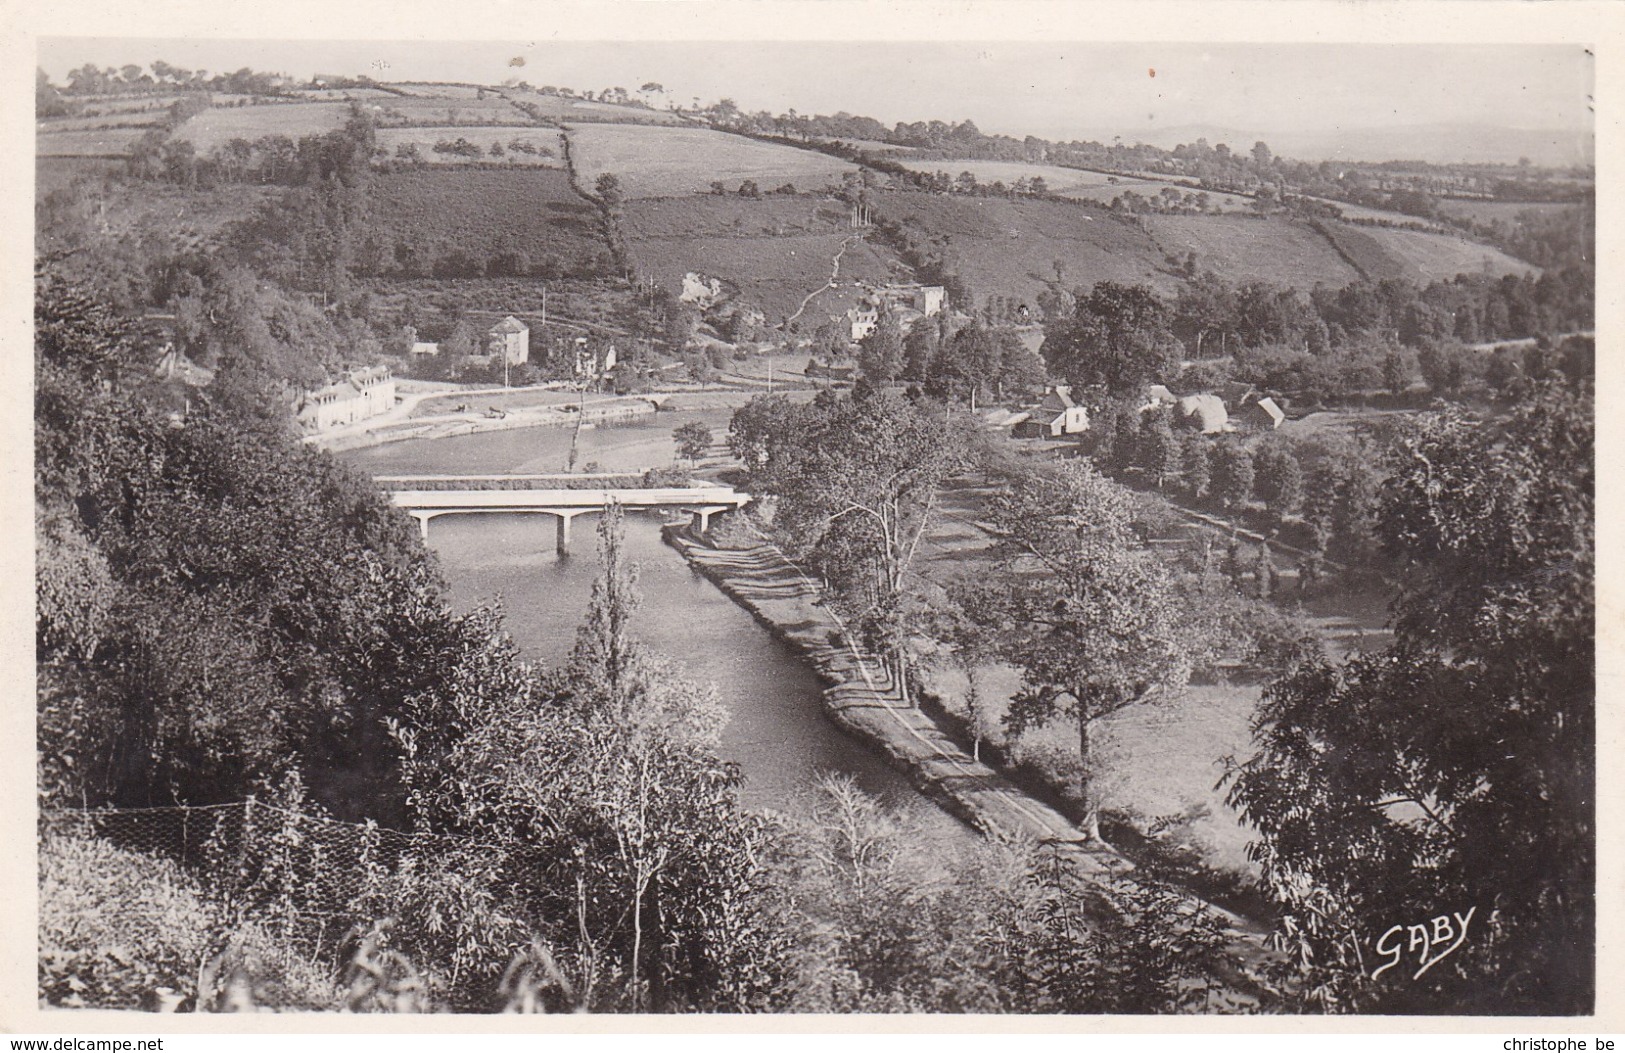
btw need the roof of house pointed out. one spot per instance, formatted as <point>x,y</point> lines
<point>510,324</point>
<point>425,347</point>
<point>1208,410</point>
<point>1159,393</point>
<point>1057,400</point>
<point>1268,405</point>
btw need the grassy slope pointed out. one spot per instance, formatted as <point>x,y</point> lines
<point>775,250</point>
<point>1243,249</point>
<point>1433,257</point>
<point>664,162</point>
<point>1008,248</point>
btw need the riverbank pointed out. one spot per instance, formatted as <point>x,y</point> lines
<point>400,427</point>
<point>860,700</point>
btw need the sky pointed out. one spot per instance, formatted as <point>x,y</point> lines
<point>1062,90</point>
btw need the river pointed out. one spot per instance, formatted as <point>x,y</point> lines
<point>777,732</point>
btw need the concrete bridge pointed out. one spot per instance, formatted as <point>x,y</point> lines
<point>427,497</point>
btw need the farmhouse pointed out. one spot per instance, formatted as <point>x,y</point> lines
<point>509,339</point>
<point>362,394</point>
<point>424,349</point>
<point>862,319</point>
<point>1054,417</point>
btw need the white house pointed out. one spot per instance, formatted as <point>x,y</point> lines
<point>1055,416</point>
<point>509,339</point>
<point>362,394</point>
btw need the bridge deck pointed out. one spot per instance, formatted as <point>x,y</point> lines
<point>570,500</point>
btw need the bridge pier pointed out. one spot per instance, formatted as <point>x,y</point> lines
<point>701,523</point>
<point>423,524</point>
<point>564,531</point>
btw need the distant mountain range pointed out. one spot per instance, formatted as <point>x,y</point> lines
<point>1435,143</point>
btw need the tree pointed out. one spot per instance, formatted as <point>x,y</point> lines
<point>1278,479</point>
<point>1117,337</point>
<point>880,352</point>
<point>1473,732</point>
<point>1232,474</point>
<point>693,439</point>
<point>608,189</point>
<point>857,485</point>
<point>1196,464</point>
<point>1160,453</point>
<point>1084,612</point>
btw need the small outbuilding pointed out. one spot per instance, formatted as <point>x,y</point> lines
<point>1263,415</point>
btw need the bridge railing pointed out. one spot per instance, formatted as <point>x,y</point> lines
<point>652,479</point>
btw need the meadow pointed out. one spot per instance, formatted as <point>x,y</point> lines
<point>1243,249</point>
<point>1436,257</point>
<point>665,162</point>
<point>219,125</point>
<point>1075,183</point>
<point>1417,256</point>
<point>440,110</point>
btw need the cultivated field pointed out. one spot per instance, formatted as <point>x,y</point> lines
<point>1361,248</point>
<point>666,162</point>
<point>1068,182</point>
<point>217,126</point>
<point>540,139</point>
<point>1242,249</point>
<point>1009,248</point>
<point>482,212</point>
